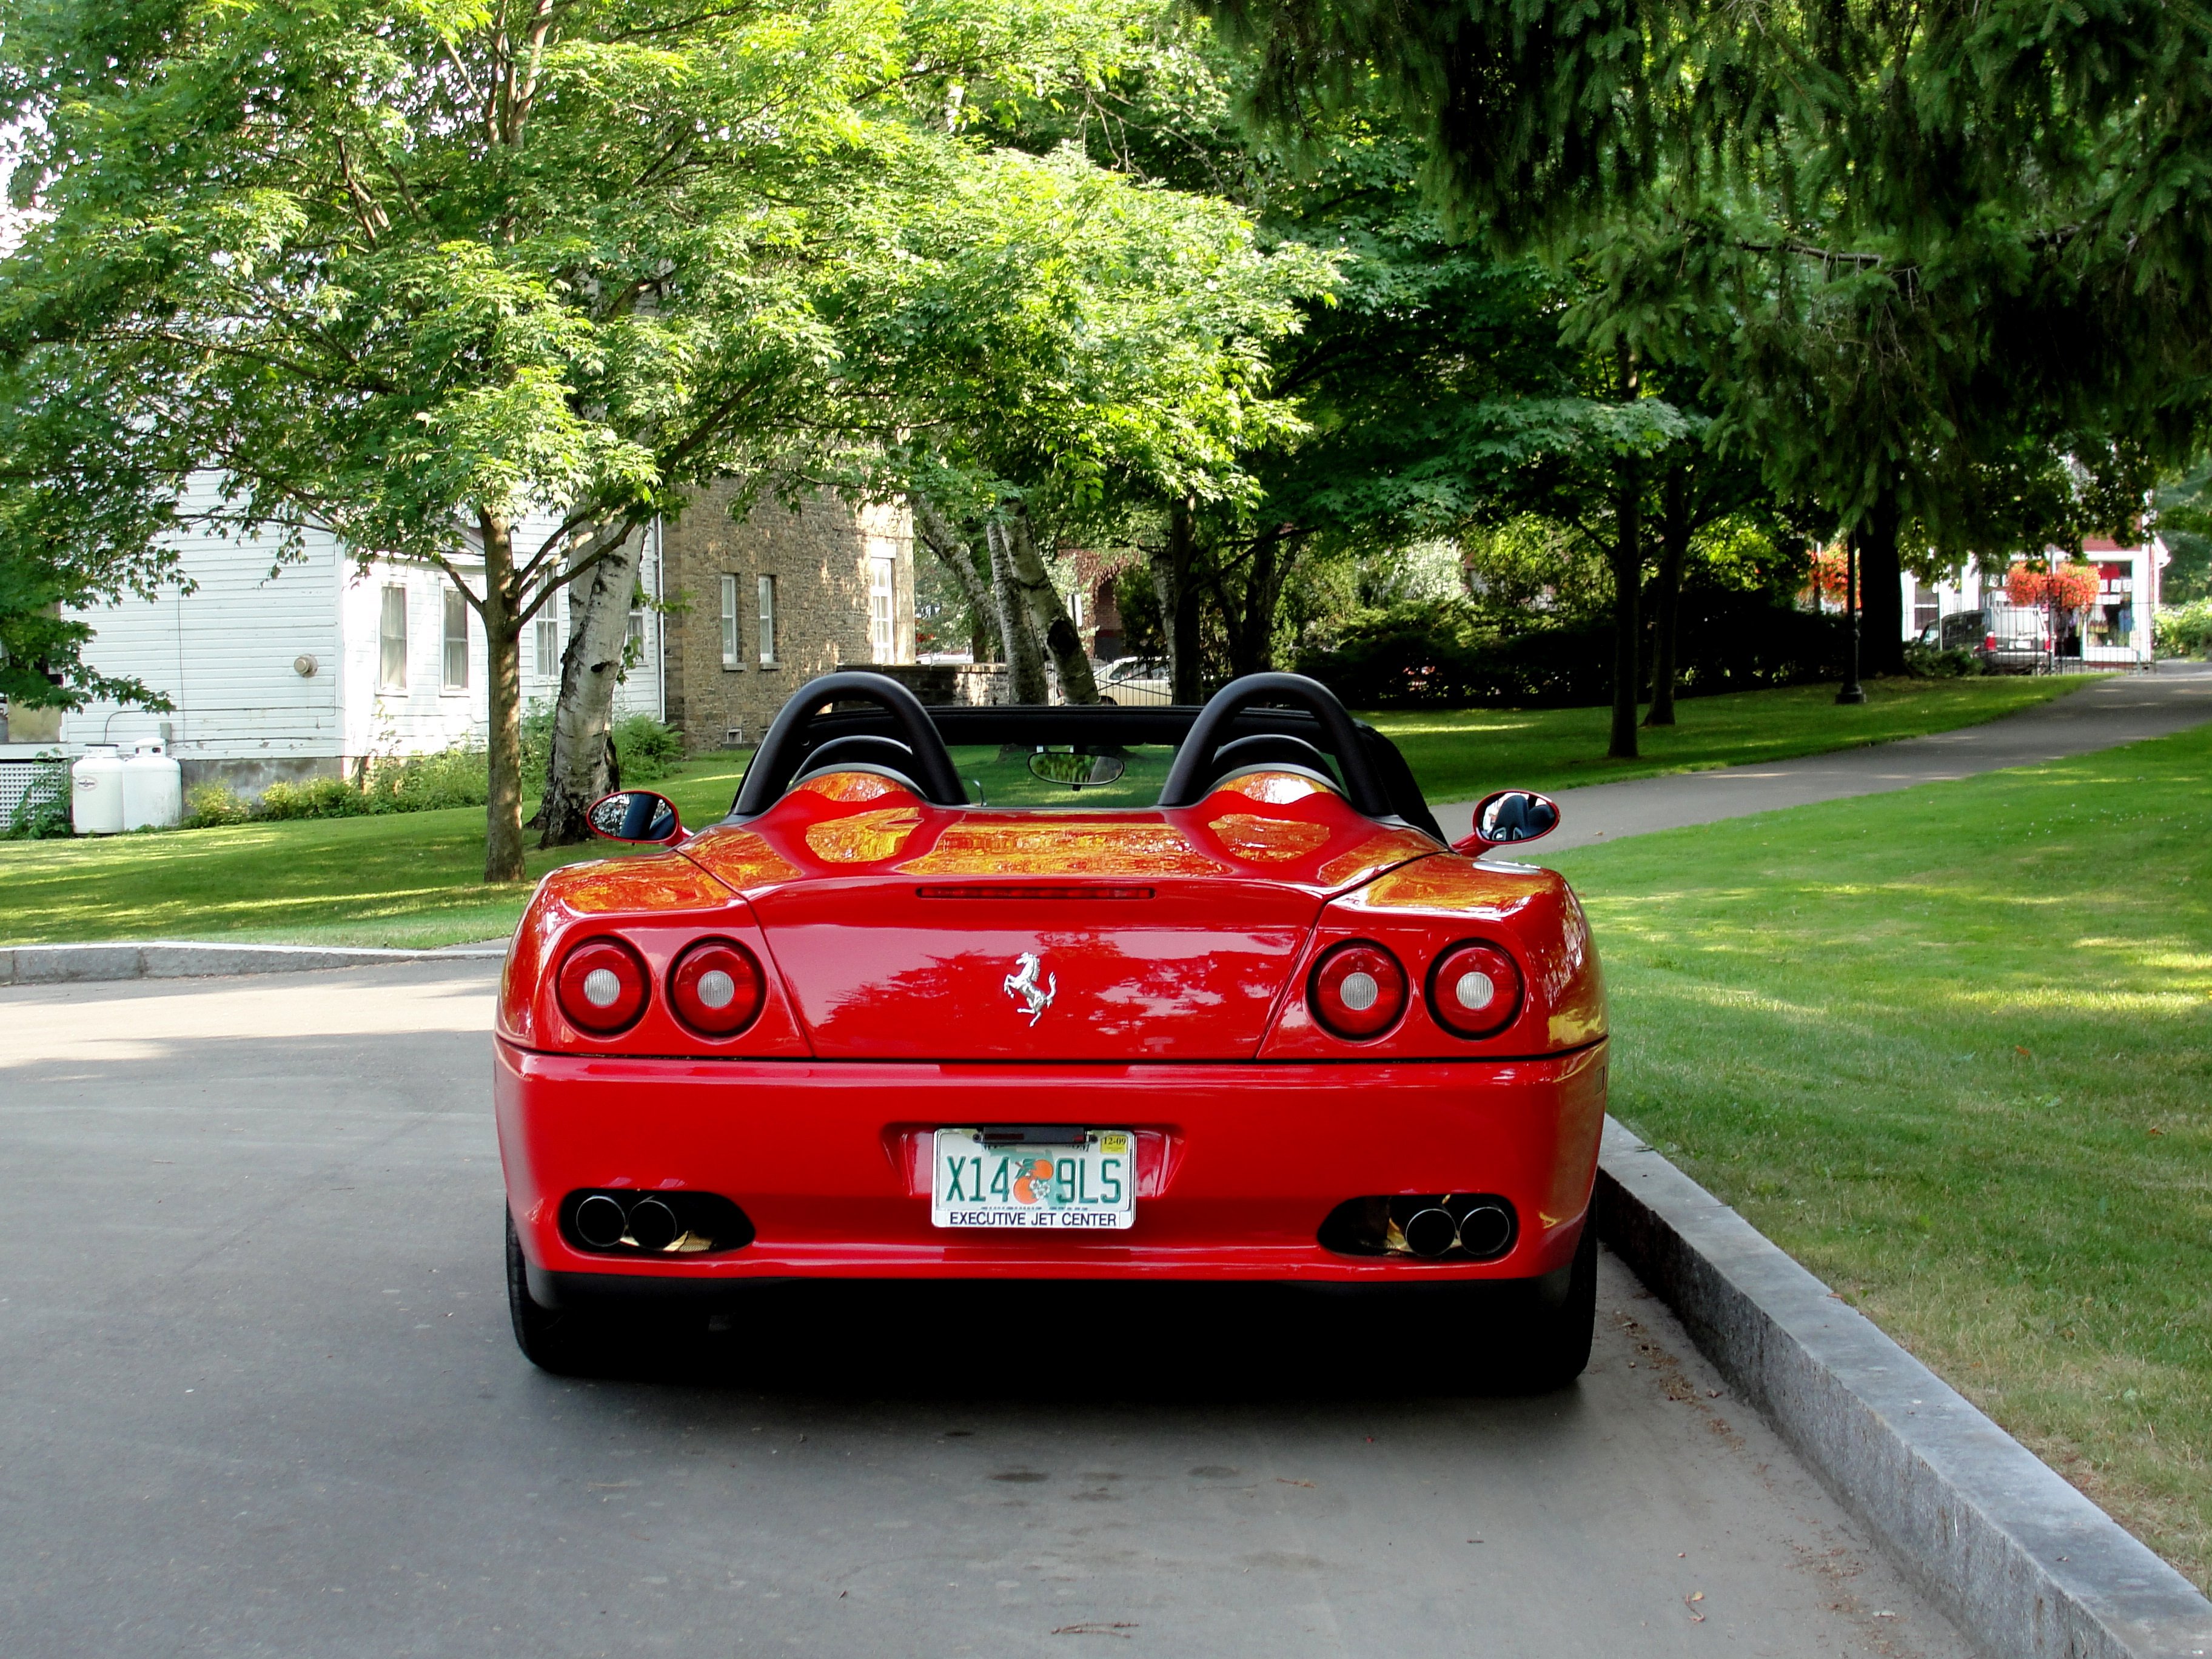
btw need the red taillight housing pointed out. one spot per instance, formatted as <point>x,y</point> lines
<point>1475,990</point>
<point>1988,641</point>
<point>717,987</point>
<point>602,987</point>
<point>1356,990</point>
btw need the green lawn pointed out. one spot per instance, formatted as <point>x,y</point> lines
<point>411,879</point>
<point>1951,1048</point>
<point>1464,754</point>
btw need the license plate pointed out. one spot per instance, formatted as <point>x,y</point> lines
<point>978,1183</point>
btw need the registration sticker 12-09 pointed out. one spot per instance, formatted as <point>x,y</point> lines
<point>1087,1184</point>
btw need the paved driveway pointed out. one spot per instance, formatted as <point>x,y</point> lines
<point>258,1396</point>
<point>2127,708</point>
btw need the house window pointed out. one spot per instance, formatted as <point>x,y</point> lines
<point>767,622</point>
<point>457,640</point>
<point>1927,605</point>
<point>634,637</point>
<point>732,653</point>
<point>391,641</point>
<point>547,652</point>
<point>883,614</point>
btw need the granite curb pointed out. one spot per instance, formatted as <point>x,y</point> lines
<point>2019,1560</point>
<point>62,964</point>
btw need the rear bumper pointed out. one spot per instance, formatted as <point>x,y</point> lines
<point>1238,1164</point>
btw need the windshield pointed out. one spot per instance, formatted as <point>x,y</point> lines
<point>1063,777</point>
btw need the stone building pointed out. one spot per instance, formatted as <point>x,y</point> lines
<point>770,600</point>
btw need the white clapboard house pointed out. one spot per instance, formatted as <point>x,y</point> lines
<point>310,668</point>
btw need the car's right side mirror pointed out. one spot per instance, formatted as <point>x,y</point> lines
<point>1509,817</point>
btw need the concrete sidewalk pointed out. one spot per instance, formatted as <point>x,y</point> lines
<point>2101,716</point>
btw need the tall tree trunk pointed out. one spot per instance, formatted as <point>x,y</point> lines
<point>1627,558</point>
<point>1024,660</point>
<point>1042,601</point>
<point>1881,595</point>
<point>1667,594</point>
<point>951,549</point>
<point>582,765</point>
<point>1251,618</point>
<point>503,623</point>
<point>1177,592</point>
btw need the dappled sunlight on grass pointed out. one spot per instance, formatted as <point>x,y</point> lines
<point>1951,1048</point>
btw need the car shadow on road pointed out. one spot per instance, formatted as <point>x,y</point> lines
<point>1016,1340</point>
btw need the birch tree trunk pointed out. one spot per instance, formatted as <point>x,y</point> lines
<point>501,612</point>
<point>951,549</point>
<point>1042,600</point>
<point>582,765</point>
<point>1024,660</point>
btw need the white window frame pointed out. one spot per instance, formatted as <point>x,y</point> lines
<point>765,588</point>
<point>882,608</point>
<point>391,645</point>
<point>733,654</point>
<point>456,609</point>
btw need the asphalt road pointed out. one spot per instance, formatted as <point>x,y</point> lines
<point>258,1396</point>
<point>2103,715</point>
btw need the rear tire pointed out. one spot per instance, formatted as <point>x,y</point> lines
<point>1551,1343</point>
<point>555,1340</point>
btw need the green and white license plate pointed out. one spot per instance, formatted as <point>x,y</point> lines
<point>978,1182</point>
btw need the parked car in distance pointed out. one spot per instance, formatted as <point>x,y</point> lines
<point>1135,680</point>
<point>2009,638</point>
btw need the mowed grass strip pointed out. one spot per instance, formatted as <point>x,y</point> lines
<point>1951,1048</point>
<point>403,879</point>
<point>413,878</point>
<point>1463,754</point>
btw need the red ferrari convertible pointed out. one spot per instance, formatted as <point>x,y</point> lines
<point>1055,993</point>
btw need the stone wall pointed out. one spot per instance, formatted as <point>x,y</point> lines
<point>820,557</point>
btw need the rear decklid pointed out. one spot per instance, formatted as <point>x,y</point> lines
<point>907,931</point>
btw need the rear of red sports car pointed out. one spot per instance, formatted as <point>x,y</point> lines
<point>1251,1019</point>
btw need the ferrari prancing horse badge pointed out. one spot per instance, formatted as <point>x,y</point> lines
<point>1023,983</point>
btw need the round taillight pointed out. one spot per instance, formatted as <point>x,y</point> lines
<point>717,987</point>
<point>1474,990</point>
<point>1357,990</point>
<point>602,987</point>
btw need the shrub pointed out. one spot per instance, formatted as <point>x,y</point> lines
<point>43,813</point>
<point>1452,652</point>
<point>649,751</point>
<point>317,798</point>
<point>209,805</point>
<point>2184,630</point>
<point>1930,662</point>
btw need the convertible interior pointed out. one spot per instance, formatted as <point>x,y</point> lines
<point>1160,755</point>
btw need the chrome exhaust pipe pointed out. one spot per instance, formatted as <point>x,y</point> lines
<point>600,1222</point>
<point>653,1225</point>
<point>1484,1231</point>
<point>1429,1232</point>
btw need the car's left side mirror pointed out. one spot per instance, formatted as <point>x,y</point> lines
<point>1508,817</point>
<point>637,815</point>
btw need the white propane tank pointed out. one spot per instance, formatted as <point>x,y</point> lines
<point>153,789</point>
<point>96,790</point>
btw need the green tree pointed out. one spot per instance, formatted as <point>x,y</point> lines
<point>409,271</point>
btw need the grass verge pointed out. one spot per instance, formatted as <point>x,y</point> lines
<point>412,878</point>
<point>1951,1049</point>
<point>1462,753</point>
<point>403,879</point>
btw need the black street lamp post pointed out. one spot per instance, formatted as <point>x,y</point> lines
<point>1852,692</point>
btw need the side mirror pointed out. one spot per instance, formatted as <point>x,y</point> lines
<point>637,815</point>
<point>1508,817</point>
